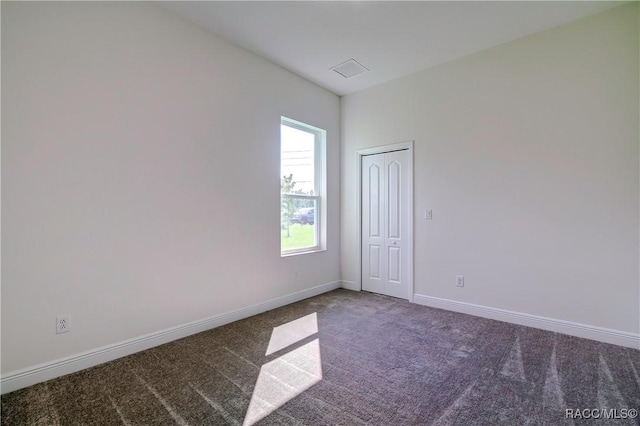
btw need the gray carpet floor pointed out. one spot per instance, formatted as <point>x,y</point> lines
<point>347,358</point>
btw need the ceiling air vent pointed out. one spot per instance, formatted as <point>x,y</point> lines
<point>349,68</point>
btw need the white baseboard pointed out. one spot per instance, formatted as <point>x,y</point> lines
<point>606,335</point>
<point>350,285</point>
<point>29,376</point>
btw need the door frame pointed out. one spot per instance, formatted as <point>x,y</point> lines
<point>402,146</point>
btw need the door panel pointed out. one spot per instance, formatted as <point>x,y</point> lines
<point>394,264</point>
<point>375,258</point>
<point>385,217</point>
<point>374,201</point>
<point>393,197</point>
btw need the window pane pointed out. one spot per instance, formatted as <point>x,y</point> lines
<point>296,160</point>
<point>298,223</point>
<point>302,184</point>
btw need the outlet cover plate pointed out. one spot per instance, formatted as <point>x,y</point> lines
<point>62,324</point>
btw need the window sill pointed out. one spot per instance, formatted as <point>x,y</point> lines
<point>299,252</point>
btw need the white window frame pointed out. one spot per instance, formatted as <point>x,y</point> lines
<point>319,182</point>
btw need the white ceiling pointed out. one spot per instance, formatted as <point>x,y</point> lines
<point>391,39</point>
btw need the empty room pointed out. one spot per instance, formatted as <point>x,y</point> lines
<point>320,213</point>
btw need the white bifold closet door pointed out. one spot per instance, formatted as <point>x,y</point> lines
<point>385,220</point>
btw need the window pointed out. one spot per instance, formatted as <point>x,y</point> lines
<point>302,172</point>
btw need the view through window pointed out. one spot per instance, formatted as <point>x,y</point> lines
<point>301,178</point>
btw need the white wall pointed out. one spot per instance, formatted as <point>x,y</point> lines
<point>528,155</point>
<point>140,176</point>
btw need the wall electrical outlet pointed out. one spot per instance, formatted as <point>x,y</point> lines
<point>459,280</point>
<point>62,324</point>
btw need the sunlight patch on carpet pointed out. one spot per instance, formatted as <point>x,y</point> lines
<point>292,332</point>
<point>290,374</point>
<point>513,366</point>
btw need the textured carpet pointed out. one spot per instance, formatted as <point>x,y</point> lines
<point>347,358</point>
